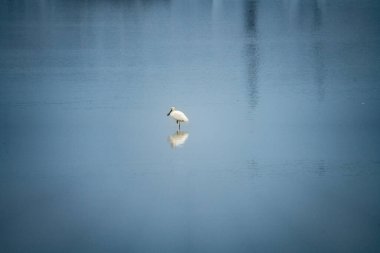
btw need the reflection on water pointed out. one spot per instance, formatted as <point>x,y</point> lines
<point>178,138</point>
<point>252,51</point>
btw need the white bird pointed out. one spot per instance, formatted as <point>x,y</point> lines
<point>178,116</point>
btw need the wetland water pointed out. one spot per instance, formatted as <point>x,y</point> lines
<point>281,153</point>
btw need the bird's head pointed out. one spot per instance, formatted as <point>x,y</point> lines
<point>171,109</point>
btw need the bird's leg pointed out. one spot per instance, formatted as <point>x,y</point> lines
<point>179,126</point>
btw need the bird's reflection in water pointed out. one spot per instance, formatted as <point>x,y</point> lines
<point>178,138</point>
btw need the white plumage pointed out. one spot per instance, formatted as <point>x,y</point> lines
<point>178,116</point>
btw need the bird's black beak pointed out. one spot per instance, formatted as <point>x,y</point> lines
<point>169,112</point>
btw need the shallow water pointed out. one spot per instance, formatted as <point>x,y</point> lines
<point>281,153</point>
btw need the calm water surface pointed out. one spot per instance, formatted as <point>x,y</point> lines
<point>281,153</point>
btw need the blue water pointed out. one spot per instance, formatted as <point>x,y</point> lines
<point>281,153</point>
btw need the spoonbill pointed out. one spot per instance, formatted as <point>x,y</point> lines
<point>178,116</point>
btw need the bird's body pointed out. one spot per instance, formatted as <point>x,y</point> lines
<point>178,116</point>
